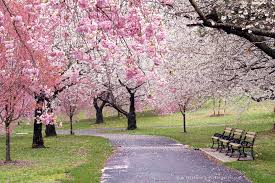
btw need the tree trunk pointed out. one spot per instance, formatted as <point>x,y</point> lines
<point>8,153</point>
<point>50,130</point>
<point>71,124</point>
<point>132,123</point>
<point>214,105</point>
<point>224,109</point>
<point>219,107</point>
<point>37,130</point>
<point>99,111</point>
<point>37,136</point>
<point>184,119</point>
<point>99,115</point>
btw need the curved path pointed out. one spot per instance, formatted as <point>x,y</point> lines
<point>150,159</point>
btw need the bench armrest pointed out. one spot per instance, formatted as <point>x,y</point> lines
<point>246,144</point>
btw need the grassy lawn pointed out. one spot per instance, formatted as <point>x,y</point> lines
<point>258,113</point>
<point>200,127</point>
<point>67,159</point>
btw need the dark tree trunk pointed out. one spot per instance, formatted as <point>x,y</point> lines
<point>131,115</point>
<point>99,115</point>
<point>71,124</point>
<point>8,149</point>
<point>37,130</point>
<point>99,111</point>
<point>37,136</point>
<point>50,130</point>
<point>184,119</point>
<point>132,122</point>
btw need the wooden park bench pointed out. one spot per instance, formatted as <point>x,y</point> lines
<point>217,136</point>
<point>246,143</point>
<point>236,137</point>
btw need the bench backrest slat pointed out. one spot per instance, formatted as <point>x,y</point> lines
<point>251,133</point>
<point>250,137</point>
<point>238,133</point>
<point>227,128</point>
<point>238,130</point>
<point>228,131</point>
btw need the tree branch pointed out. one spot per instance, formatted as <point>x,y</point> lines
<point>253,35</point>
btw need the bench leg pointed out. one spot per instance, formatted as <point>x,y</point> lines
<point>228,150</point>
<point>221,147</point>
<point>240,153</point>
<point>244,153</point>
<point>213,143</point>
<point>252,153</point>
<point>232,151</point>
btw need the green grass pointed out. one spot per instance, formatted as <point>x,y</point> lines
<point>67,159</point>
<point>257,114</point>
<point>200,127</point>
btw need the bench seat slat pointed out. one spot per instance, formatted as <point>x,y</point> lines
<point>223,140</point>
<point>235,144</point>
<point>250,136</point>
<point>251,133</point>
<point>213,137</point>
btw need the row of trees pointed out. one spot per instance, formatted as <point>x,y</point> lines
<point>222,48</point>
<point>111,53</point>
<point>50,47</point>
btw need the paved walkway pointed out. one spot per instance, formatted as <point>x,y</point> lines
<point>150,159</point>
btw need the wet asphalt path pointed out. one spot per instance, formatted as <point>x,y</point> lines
<point>151,159</point>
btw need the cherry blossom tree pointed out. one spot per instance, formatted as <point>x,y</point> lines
<point>199,64</point>
<point>181,94</point>
<point>105,30</point>
<point>51,37</point>
<point>126,86</point>
<point>252,20</point>
<point>99,105</point>
<point>71,100</point>
<point>22,66</point>
<point>14,100</point>
<point>112,101</point>
<point>246,24</point>
<point>186,84</point>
